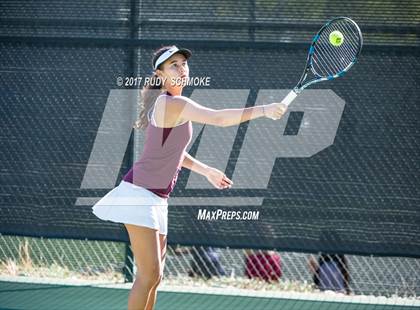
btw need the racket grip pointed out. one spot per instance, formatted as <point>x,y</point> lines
<point>289,98</point>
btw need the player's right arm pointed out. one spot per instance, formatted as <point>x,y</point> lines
<point>189,110</point>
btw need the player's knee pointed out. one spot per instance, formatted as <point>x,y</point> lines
<point>151,278</point>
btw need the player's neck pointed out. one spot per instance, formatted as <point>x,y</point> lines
<point>174,91</point>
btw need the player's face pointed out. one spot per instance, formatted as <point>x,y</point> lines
<point>175,68</point>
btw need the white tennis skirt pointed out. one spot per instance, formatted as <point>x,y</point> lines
<point>131,204</point>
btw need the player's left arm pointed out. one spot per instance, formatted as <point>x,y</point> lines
<point>195,165</point>
<point>216,177</point>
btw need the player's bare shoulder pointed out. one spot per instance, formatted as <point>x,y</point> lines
<point>173,102</point>
<point>169,110</point>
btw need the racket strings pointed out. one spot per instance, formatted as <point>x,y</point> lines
<point>351,50</point>
<point>336,58</point>
<point>329,60</point>
<point>347,49</point>
<point>326,59</point>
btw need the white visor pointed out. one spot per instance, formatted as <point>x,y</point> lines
<point>173,50</point>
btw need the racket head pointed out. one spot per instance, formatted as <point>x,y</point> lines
<point>327,61</point>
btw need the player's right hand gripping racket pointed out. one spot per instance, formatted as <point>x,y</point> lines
<point>327,59</point>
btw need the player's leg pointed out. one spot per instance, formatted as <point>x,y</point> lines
<point>153,293</point>
<point>146,250</point>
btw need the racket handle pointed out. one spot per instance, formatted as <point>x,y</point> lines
<point>289,98</point>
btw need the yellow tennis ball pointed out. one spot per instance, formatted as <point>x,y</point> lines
<point>336,38</point>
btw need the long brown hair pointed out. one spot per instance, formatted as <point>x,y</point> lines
<point>150,92</point>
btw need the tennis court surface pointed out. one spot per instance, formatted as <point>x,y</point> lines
<point>21,295</point>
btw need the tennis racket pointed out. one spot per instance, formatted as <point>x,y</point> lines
<point>327,61</point>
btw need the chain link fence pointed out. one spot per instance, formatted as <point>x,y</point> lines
<point>107,262</point>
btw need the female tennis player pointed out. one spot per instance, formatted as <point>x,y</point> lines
<point>140,200</point>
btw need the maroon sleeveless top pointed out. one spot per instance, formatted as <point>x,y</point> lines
<point>161,160</point>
